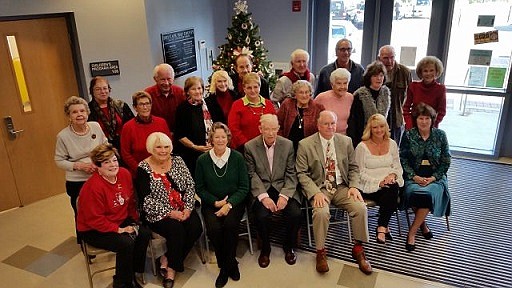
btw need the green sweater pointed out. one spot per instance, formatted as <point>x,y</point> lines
<point>234,183</point>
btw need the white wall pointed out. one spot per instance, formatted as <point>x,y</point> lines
<point>107,30</point>
<point>281,29</point>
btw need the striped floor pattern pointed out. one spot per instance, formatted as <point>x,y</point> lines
<point>476,252</point>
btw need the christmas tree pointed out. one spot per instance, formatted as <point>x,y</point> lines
<point>243,38</point>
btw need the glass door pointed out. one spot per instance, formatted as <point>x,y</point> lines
<point>477,72</point>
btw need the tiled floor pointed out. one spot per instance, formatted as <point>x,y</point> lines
<point>38,249</point>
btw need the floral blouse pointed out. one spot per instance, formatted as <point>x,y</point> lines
<point>413,150</point>
<point>152,192</point>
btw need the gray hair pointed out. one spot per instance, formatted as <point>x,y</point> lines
<point>298,52</point>
<point>387,47</point>
<point>163,67</point>
<point>340,73</point>
<point>75,100</point>
<point>268,118</point>
<point>300,84</point>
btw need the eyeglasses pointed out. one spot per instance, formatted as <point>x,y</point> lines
<point>144,104</point>
<point>345,49</point>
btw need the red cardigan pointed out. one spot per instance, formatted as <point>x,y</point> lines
<point>288,112</point>
<point>433,94</point>
<point>133,140</point>
<point>243,121</point>
<point>103,206</point>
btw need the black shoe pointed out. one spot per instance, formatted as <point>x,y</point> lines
<point>222,279</point>
<point>389,236</point>
<point>377,232</point>
<point>428,235</point>
<point>410,247</point>
<point>168,283</point>
<point>234,273</point>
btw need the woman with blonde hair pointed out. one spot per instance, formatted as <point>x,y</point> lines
<point>221,96</point>
<point>166,193</point>
<point>380,171</point>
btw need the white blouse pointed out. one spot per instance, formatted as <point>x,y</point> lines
<point>374,168</point>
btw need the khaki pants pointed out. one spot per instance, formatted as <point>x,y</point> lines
<point>357,212</point>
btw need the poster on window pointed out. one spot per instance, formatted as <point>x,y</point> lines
<point>179,48</point>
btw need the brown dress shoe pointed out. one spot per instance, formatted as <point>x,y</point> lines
<point>290,257</point>
<point>360,257</point>
<point>264,260</point>
<point>321,261</point>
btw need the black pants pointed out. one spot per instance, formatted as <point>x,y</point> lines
<point>263,217</point>
<point>387,199</point>
<point>180,238</point>
<point>223,232</point>
<point>73,190</point>
<point>130,253</point>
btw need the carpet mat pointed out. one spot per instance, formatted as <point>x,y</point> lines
<point>476,252</point>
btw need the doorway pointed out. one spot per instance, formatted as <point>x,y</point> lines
<point>48,78</point>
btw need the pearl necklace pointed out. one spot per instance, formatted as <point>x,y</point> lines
<point>109,181</point>
<point>80,133</point>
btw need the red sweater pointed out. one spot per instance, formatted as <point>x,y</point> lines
<point>165,107</point>
<point>244,120</point>
<point>133,140</point>
<point>103,206</point>
<point>433,94</point>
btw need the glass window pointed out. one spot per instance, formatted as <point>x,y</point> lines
<point>347,17</point>
<point>486,65</point>
<point>478,69</point>
<point>410,29</point>
<point>19,76</point>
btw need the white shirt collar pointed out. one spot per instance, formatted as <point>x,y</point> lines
<point>222,160</point>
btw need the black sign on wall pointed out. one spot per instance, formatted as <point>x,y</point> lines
<point>104,68</point>
<point>180,51</point>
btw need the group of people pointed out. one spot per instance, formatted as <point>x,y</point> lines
<point>128,175</point>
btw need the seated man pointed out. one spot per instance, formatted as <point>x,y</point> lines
<point>270,163</point>
<point>333,178</point>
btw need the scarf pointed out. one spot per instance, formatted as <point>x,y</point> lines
<point>294,77</point>
<point>371,105</point>
<point>175,200</point>
<point>207,118</point>
<point>110,125</point>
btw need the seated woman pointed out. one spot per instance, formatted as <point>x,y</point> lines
<point>380,171</point>
<point>338,99</point>
<point>221,96</point>
<point>244,117</point>
<point>425,158</point>
<point>108,219</point>
<point>297,115</point>
<point>136,131</point>
<point>193,123</point>
<point>373,97</point>
<point>222,182</point>
<point>166,193</point>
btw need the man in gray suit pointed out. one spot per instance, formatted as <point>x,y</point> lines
<point>328,174</point>
<point>270,162</point>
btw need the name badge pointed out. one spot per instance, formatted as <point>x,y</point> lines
<point>425,162</point>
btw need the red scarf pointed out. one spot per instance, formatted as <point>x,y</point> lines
<point>174,196</point>
<point>294,76</point>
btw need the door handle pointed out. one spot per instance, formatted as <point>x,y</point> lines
<point>13,133</point>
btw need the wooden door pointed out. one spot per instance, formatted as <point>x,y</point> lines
<point>27,162</point>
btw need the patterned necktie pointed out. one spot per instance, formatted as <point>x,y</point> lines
<point>330,169</point>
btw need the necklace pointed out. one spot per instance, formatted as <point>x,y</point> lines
<point>215,170</point>
<point>80,133</point>
<point>254,112</point>
<point>301,118</point>
<point>108,180</point>
<point>379,146</point>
